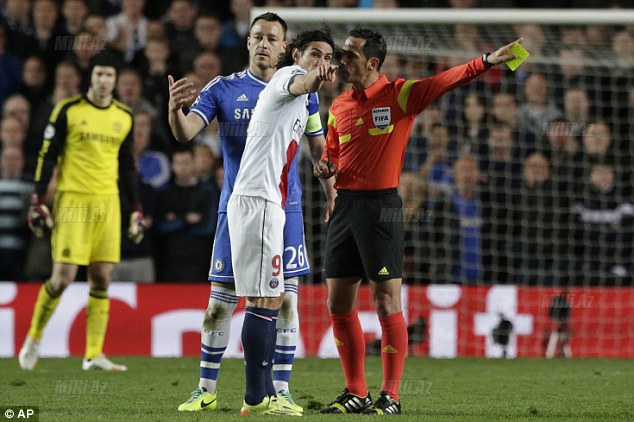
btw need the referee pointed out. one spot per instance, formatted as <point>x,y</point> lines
<point>89,139</point>
<point>368,129</point>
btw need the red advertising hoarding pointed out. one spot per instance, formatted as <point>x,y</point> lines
<point>165,320</point>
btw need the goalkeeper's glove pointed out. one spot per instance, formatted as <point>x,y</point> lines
<point>136,230</point>
<point>39,217</point>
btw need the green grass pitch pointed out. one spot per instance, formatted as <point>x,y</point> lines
<point>434,390</point>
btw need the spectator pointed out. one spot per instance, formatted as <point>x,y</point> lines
<point>67,81</point>
<point>96,24</point>
<point>563,151</point>
<point>10,68</point>
<point>604,230</point>
<point>75,13</point>
<point>436,171</point>
<point>45,30</point>
<point>129,90</point>
<point>541,227</point>
<point>180,25</point>
<point>15,191</point>
<point>623,50</point>
<point>235,31</point>
<point>505,112</point>
<point>12,134</point>
<point>537,110</point>
<point>456,229</point>
<point>577,106</point>
<point>206,164</point>
<point>207,66</point>
<point>207,31</point>
<point>85,45</point>
<point>17,106</point>
<point>128,29</point>
<point>472,130</point>
<point>19,28</point>
<point>183,213</point>
<point>502,172</point>
<point>393,67</point>
<point>34,80</point>
<point>572,74</point>
<point>153,166</point>
<point>67,84</point>
<point>137,260</point>
<point>154,67</point>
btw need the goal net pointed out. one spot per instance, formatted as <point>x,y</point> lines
<point>517,187</point>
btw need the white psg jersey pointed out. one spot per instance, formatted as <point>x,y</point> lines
<point>273,137</point>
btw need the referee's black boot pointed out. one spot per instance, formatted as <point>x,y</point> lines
<point>384,405</point>
<point>348,403</point>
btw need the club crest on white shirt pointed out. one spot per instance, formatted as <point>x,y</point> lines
<point>382,117</point>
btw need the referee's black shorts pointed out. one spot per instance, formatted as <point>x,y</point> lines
<point>365,235</point>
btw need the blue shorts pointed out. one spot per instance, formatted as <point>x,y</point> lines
<point>295,254</point>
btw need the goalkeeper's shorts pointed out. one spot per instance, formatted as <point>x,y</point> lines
<point>87,228</point>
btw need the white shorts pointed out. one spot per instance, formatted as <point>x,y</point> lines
<point>256,230</point>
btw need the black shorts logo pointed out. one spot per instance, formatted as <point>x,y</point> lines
<point>274,283</point>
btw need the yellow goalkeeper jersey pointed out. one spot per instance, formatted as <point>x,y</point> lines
<point>88,141</point>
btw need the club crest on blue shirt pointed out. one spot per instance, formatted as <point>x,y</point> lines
<point>382,117</point>
<point>219,265</point>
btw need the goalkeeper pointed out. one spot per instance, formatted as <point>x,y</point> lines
<point>89,138</point>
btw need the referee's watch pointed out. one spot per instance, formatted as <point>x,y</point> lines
<point>485,60</point>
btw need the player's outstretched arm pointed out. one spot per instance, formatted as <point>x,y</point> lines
<point>311,82</point>
<point>184,127</point>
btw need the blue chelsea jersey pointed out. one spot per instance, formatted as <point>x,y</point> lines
<point>232,100</point>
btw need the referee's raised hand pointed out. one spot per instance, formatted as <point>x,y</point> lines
<point>182,92</point>
<point>502,54</point>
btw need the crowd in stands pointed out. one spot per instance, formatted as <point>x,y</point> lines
<point>518,177</point>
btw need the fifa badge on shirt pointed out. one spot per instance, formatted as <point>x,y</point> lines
<point>382,117</point>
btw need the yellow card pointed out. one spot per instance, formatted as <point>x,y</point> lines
<point>521,54</point>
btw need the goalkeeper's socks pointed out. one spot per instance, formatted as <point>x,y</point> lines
<point>257,341</point>
<point>393,351</point>
<point>215,335</point>
<point>97,315</point>
<point>47,301</point>
<point>287,337</point>
<point>351,347</point>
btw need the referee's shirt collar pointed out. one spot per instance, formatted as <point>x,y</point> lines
<point>372,90</point>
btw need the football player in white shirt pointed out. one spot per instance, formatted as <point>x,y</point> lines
<point>256,208</point>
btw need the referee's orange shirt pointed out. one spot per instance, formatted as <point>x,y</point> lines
<point>368,130</point>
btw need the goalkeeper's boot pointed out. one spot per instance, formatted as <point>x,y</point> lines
<point>284,398</point>
<point>29,353</point>
<point>102,363</point>
<point>348,403</point>
<point>384,405</point>
<point>268,406</point>
<point>201,399</point>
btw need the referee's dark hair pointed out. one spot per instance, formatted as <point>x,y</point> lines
<point>374,46</point>
<point>302,40</point>
<point>270,17</point>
